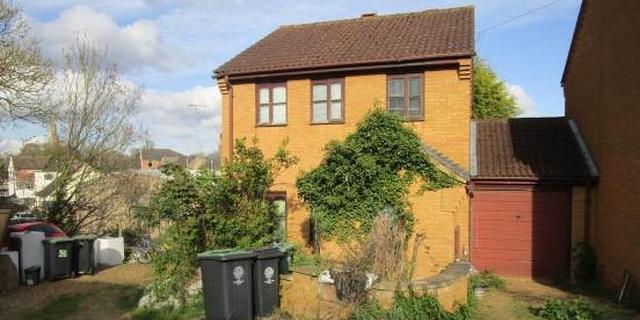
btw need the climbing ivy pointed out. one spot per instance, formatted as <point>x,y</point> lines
<point>369,172</point>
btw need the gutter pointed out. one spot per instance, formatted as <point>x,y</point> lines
<point>451,59</point>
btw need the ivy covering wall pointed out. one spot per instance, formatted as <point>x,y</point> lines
<point>367,173</point>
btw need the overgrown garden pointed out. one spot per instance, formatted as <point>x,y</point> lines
<point>212,210</point>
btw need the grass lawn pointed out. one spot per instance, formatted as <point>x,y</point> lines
<point>521,297</point>
<point>109,294</point>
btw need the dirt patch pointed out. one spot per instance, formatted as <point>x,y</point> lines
<point>105,295</point>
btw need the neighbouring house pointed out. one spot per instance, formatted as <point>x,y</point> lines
<point>312,83</point>
<point>154,158</point>
<point>530,177</point>
<point>28,175</point>
<point>601,84</point>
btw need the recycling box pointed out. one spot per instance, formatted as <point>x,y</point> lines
<point>83,256</point>
<point>58,258</point>
<point>266,281</point>
<point>227,283</point>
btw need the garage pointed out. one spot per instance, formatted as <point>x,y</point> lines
<point>522,231</point>
<point>524,173</point>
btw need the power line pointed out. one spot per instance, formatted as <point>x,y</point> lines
<point>501,23</point>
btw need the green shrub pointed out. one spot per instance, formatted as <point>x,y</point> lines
<point>576,309</point>
<point>486,279</point>
<point>210,211</point>
<point>585,263</point>
<point>409,307</point>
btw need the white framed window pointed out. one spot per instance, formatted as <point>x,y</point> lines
<point>405,95</point>
<point>271,106</point>
<point>327,101</point>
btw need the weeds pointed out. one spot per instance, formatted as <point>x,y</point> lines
<point>486,279</point>
<point>576,309</point>
<point>409,307</point>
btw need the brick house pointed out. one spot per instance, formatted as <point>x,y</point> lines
<point>312,83</point>
<point>601,84</point>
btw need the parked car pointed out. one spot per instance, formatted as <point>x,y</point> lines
<point>50,230</point>
<point>20,217</point>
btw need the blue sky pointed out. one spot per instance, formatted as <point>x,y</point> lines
<point>170,48</point>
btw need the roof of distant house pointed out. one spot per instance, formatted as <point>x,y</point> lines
<point>30,162</point>
<point>530,148</point>
<point>368,40</point>
<point>161,154</point>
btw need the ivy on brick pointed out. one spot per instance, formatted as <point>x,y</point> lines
<point>368,173</point>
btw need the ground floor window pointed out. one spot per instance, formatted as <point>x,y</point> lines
<point>279,199</point>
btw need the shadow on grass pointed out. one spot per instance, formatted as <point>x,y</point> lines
<point>59,308</point>
<point>112,300</point>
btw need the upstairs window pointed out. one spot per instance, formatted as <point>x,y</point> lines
<point>272,104</point>
<point>327,101</point>
<point>404,96</point>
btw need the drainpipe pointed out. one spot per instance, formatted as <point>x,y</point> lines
<point>587,211</point>
<point>230,93</point>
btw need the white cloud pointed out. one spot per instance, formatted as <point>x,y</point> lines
<point>188,121</point>
<point>13,145</point>
<point>133,46</point>
<point>10,145</point>
<point>524,101</point>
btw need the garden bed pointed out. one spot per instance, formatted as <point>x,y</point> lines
<point>303,295</point>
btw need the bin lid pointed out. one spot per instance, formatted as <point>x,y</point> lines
<point>58,240</point>
<point>84,237</point>
<point>227,255</point>
<point>284,246</point>
<point>268,253</point>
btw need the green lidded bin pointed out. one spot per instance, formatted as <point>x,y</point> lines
<point>227,283</point>
<point>58,258</point>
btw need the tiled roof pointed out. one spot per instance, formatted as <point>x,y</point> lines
<point>161,154</point>
<point>540,148</point>
<point>367,40</point>
<point>31,162</point>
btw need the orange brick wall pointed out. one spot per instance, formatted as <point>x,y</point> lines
<point>446,127</point>
<point>601,90</point>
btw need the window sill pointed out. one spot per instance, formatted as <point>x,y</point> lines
<point>270,125</point>
<point>327,123</point>
<point>413,119</point>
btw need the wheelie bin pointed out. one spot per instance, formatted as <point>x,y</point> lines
<point>266,281</point>
<point>227,283</point>
<point>83,256</point>
<point>58,255</point>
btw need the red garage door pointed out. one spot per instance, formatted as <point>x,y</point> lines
<point>522,232</point>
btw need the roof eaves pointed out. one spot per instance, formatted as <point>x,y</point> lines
<point>449,58</point>
<point>591,165</point>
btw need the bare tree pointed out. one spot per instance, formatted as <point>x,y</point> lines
<point>94,108</point>
<point>24,73</point>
